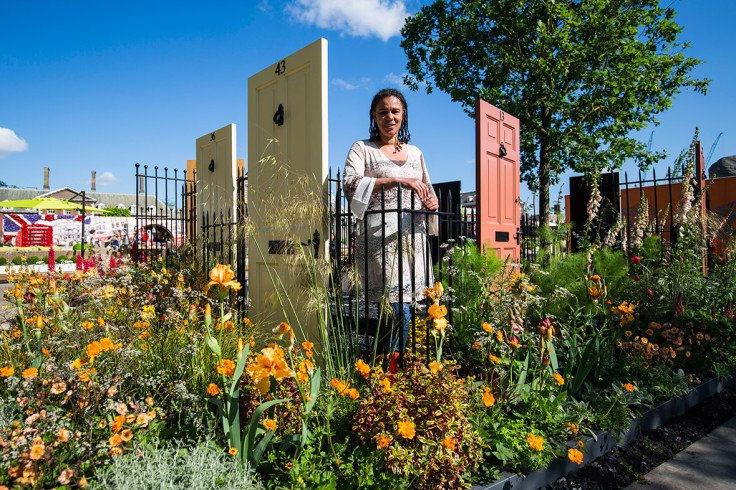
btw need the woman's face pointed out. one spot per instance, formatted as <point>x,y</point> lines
<point>388,114</point>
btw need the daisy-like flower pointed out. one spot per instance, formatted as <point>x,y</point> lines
<point>535,442</point>
<point>233,451</point>
<point>449,443</point>
<point>383,442</point>
<point>269,424</point>
<point>407,429</point>
<point>37,451</point>
<point>575,456</point>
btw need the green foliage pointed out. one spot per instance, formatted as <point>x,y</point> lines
<point>436,406</point>
<point>32,260</point>
<point>173,466</point>
<point>3,260</point>
<point>17,260</point>
<point>116,212</point>
<point>571,71</point>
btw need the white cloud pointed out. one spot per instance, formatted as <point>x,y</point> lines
<point>398,80</point>
<point>363,83</point>
<point>106,179</point>
<point>362,18</point>
<point>344,84</point>
<point>10,143</point>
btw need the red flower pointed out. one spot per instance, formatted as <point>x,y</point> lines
<point>636,260</point>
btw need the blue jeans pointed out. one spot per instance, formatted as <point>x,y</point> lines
<point>403,325</point>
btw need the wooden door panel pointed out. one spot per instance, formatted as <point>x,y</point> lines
<point>497,180</point>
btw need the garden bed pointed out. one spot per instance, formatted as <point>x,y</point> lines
<point>606,441</point>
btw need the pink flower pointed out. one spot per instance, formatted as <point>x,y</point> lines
<point>636,278</point>
<point>649,292</point>
<point>636,260</point>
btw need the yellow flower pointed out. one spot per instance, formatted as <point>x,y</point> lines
<point>87,325</point>
<point>560,380</point>
<point>435,367</point>
<point>363,368</point>
<point>575,456</point>
<point>223,276</point>
<point>269,424</point>
<point>30,373</point>
<point>449,443</point>
<point>7,371</point>
<point>270,363</point>
<point>233,451</point>
<point>535,442</point>
<point>226,368</point>
<point>213,389</point>
<point>440,324</point>
<point>406,429</point>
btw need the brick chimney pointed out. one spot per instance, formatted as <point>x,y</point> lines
<point>94,174</point>
<point>46,179</point>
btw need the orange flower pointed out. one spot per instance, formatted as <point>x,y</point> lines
<point>126,435</point>
<point>386,383</point>
<point>269,424</point>
<point>7,371</point>
<point>499,336</point>
<point>341,387</point>
<point>363,368</point>
<point>406,429</point>
<point>581,444</point>
<point>117,423</point>
<point>353,393</point>
<point>63,435</point>
<point>575,456</point>
<point>449,443</point>
<point>383,442</point>
<point>213,389</point>
<point>226,368</point>
<point>535,442</point>
<point>437,311</point>
<point>30,373</point>
<point>87,325</point>
<point>494,358</point>
<point>94,349</point>
<point>223,276</point>
<point>270,363</point>
<point>629,387</point>
<point>476,345</point>
<point>307,345</point>
<point>488,399</point>
<point>487,327</point>
<point>573,427</point>
<point>435,367</point>
<point>233,451</point>
<point>37,451</point>
<point>283,329</point>
<point>560,380</point>
<point>115,440</point>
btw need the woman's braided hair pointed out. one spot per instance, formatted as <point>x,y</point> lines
<point>404,136</point>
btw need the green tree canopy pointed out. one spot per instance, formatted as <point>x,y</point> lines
<point>581,75</point>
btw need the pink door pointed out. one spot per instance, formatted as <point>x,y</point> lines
<point>497,180</point>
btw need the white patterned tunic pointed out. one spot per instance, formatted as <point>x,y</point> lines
<point>366,163</point>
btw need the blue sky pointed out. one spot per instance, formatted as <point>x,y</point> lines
<point>102,85</point>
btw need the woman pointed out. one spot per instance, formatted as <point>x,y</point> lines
<point>379,164</point>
